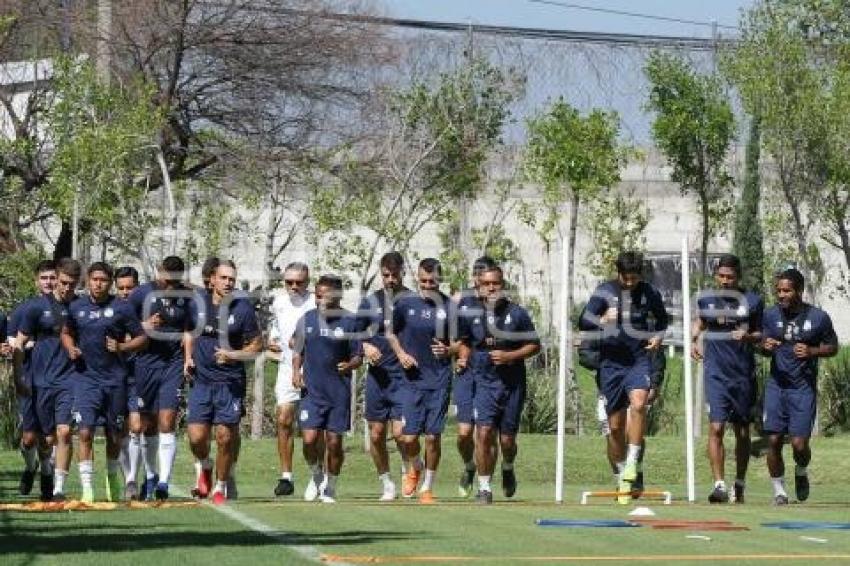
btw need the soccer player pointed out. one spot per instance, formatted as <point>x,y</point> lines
<point>95,337</point>
<point>33,448</point>
<point>795,335</point>
<point>41,322</point>
<point>622,310</point>
<point>139,441</point>
<point>729,320</point>
<point>496,345</point>
<point>384,377</point>
<point>422,342</point>
<point>470,305</point>
<point>287,309</point>
<point>163,305</point>
<point>325,355</point>
<point>225,336</point>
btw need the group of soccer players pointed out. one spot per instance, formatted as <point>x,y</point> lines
<point>120,361</point>
<point>624,322</point>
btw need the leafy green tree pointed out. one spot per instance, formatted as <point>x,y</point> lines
<point>747,240</point>
<point>572,158</point>
<point>694,126</point>
<point>615,222</point>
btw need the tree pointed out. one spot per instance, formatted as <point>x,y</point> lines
<point>747,239</point>
<point>433,140</point>
<point>693,127</point>
<point>615,222</point>
<point>572,157</point>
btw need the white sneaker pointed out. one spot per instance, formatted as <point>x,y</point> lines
<point>312,491</point>
<point>327,496</point>
<point>389,492</point>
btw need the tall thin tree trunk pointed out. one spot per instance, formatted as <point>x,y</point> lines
<point>703,254</point>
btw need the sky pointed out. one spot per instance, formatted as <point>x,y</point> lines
<point>530,13</point>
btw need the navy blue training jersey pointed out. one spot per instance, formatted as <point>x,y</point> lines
<point>229,326</point>
<point>12,332</point>
<point>417,322</point>
<point>165,346</point>
<point>811,326</point>
<point>640,314</point>
<point>722,312</point>
<point>323,342</point>
<point>91,323</point>
<point>507,327</point>
<point>42,319</point>
<point>375,316</point>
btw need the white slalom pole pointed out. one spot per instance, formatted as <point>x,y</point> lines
<point>564,359</point>
<point>686,364</point>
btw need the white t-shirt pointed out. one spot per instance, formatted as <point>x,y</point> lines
<point>286,313</point>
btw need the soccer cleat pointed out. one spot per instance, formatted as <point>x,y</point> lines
<point>627,480</point>
<point>801,486</point>
<point>25,485</point>
<point>464,486</point>
<point>113,487</point>
<point>219,498</point>
<point>327,498</point>
<point>88,495</point>
<point>131,491</point>
<point>161,492</point>
<point>46,485</point>
<point>148,488</point>
<point>739,493</point>
<point>427,497</point>
<point>484,497</point>
<point>311,493</point>
<point>780,499</point>
<point>202,489</point>
<point>284,487</point>
<point>59,497</point>
<point>637,486</point>
<point>411,481</point>
<point>232,491</point>
<point>718,495</point>
<point>508,483</point>
<point>388,493</point>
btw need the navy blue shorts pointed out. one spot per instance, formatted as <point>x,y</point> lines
<point>27,416</point>
<point>313,415</point>
<point>53,407</point>
<point>423,410</point>
<point>158,388</point>
<point>98,404</point>
<point>729,399</point>
<point>789,411</point>
<point>132,397</point>
<point>616,382</point>
<point>498,404</point>
<point>215,403</point>
<point>464,389</point>
<point>383,396</point>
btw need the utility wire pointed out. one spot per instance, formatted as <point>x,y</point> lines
<point>570,5</point>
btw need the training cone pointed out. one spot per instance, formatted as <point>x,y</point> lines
<point>642,512</point>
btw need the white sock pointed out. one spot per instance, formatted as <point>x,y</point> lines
<point>124,457</point>
<point>330,488</point>
<point>778,486</point>
<point>385,480</point>
<point>484,483</point>
<point>221,487</point>
<point>59,481</point>
<point>167,450</point>
<point>428,481</point>
<point>633,453</point>
<point>507,466</point>
<point>30,458</point>
<point>801,470</point>
<point>150,447</point>
<point>113,466</point>
<point>47,466</point>
<point>87,473</point>
<point>721,484</point>
<point>286,476</point>
<point>134,453</point>
<point>620,467</point>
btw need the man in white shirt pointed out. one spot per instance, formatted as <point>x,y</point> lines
<point>287,309</point>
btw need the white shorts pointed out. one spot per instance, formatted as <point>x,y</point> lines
<point>284,392</point>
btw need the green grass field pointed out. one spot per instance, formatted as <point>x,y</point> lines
<point>360,530</point>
